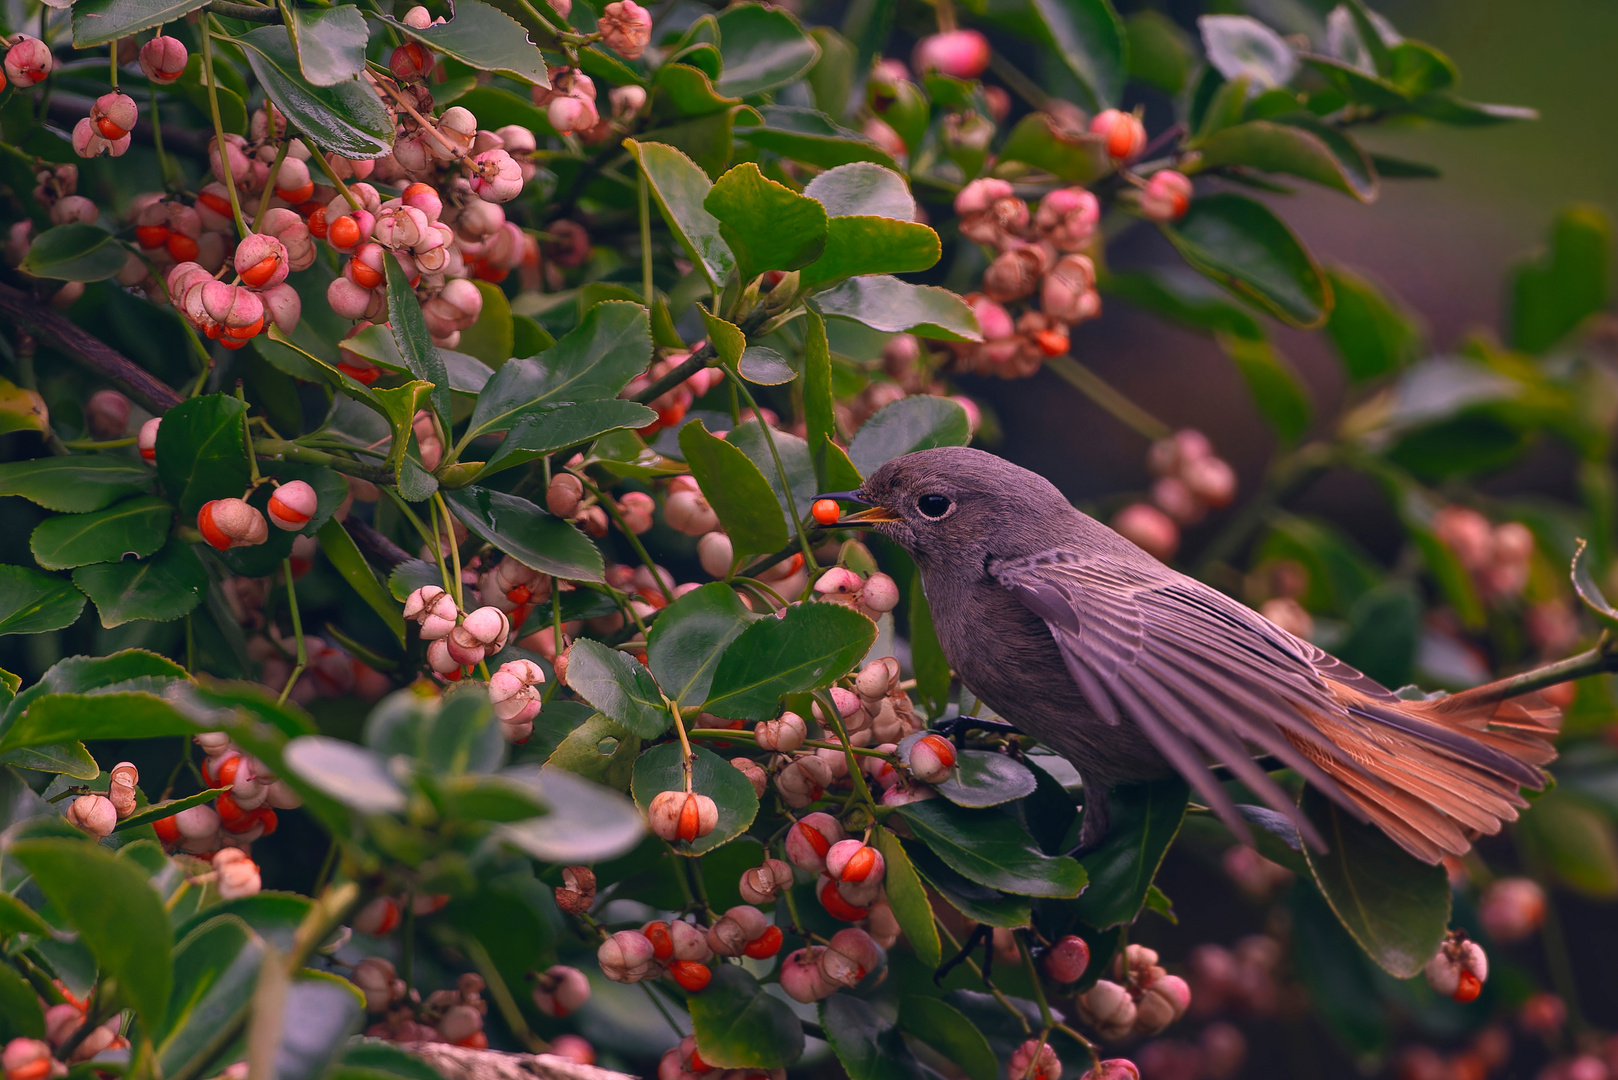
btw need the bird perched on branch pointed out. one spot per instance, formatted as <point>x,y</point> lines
<point>1130,669</point>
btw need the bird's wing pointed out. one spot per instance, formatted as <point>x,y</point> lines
<point>1205,678</point>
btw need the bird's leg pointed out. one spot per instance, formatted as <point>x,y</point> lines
<point>981,933</point>
<point>1094,823</point>
<point>957,727</point>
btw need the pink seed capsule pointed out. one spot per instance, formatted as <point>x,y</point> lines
<point>626,28</point>
<point>163,59</point>
<point>960,54</point>
<point>292,505</point>
<point>1122,133</point>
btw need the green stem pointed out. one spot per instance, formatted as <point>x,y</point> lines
<point>861,790</point>
<point>269,183</point>
<point>1105,395</point>
<point>112,63</point>
<point>661,1008</point>
<point>219,125</point>
<point>331,174</point>
<point>272,449</point>
<point>502,996</point>
<point>727,734</point>
<point>1045,1016</point>
<point>780,470</point>
<point>247,439</point>
<point>93,444</point>
<point>454,548</point>
<point>645,239</point>
<point>297,634</point>
<point>166,166</point>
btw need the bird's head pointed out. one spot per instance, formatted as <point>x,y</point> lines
<point>958,505</point>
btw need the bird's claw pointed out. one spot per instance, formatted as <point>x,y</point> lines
<point>956,727</point>
<point>982,934</point>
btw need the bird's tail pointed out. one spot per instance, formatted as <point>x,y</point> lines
<point>1433,775</point>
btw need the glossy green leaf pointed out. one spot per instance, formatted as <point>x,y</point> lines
<point>980,903</point>
<point>680,186</point>
<point>1576,842</point>
<point>1077,157</point>
<point>32,602</point>
<point>819,410</point>
<point>352,775</point>
<point>1145,820</point>
<point>74,252</point>
<point>168,808</point>
<point>1555,292</point>
<point>201,454</point>
<point>133,528</point>
<point>1089,39</point>
<point>78,674</point>
<point>907,896</point>
<point>985,778</point>
<point>1396,907</point>
<point>767,225</point>
<point>1446,108</point>
<point>914,423</point>
<point>411,338</point>
<point>863,189</point>
<point>812,137</point>
<point>737,490</point>
<point>1372,335</point>
<point>689,636</point>
<point>867,1045</point>
<point>346,119</point>
<point>1245,247</point>
<point>63,717</point>
<point>162,587</point>
<point>990,848</point>
<point>763,366</point>
<point>21,1016</point>
<point>885,303</point>
<point>66,758</point>
<point>117,914</point>
<point>588,822</point>
<point>345,557</point>
<point>661,769</point>
<point>485,38</point>
<point>805,649</point>
<point>321,1011</point>
<point>1240,46</point>
<point>528,534</point>
<point>872,245</point>
<point>216,970</point>
<point>76,484</point>
<point>762,48</point>
<point>330,43</point>
<point>739,1025</point>
<point>548,428</point>
<point>1277,390</point>
<point>96,22</point>
<point>1296,145</point>
<point>690,91</point>
<point>1160,53</point>
<point>946,1029</point>
<point>618,686</point>
<point>799,492</point>
<point>492,339</point>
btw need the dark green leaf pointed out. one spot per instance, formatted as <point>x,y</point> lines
<point>737,489</point>
<point>1076,157</point>
<point>74,252</point>
<point>20,1014</point>
<point>689,636</point>
<point>163,587</point>
<point>345,557</point>
<point>990,848</point>
<point>767,225</point>
<point>64,717</point>
<point>749,436</point>
<point>136,527</point>
<point>96,22</point>
<point>739,1025</point>
<point>985,778</point>
<point>1396,907</point>
<point>78,674</point>
<point>618,686</point>
<point>527,533</point>
<point>1552,294</point>
<point>1576,842</point>
<point>908,899</point>
<point>1340,981</point>
<point>587,823</point>
<point>812,137</point>
<point>411,338</point>
<point>117,914</point>
<point>680,187</point>
<point>1242,245</point>
<point>77,484</point>
<point>1160,53</point>
<point>485,38</point>
<point>660,769</point>
<point>67,758</point>
<point>1298,145</point>
<point>17,917</point>
<point>763,366</point>
<point>216,969</point>
<point>946,1029</point>
<point>690,91</point>
<point>1448,109</point>
<point>872,245</point>
<point>1373,336</point>
<point>157,811</point>
<point>762,48</point>
<point>1276,388</point>
<point>201,454</point>
<point>353,775</point>
<point>920,422</point>
<point>888,304</point>
<point>1089,39</point>
<point>867,1046</point>
<point>491,339</point>
<point>548,428</point>
<point>926,655</point>
<point>32,602</point>
<point>321,1011</point>
<point>820,417</point>
<point>805,649</point>
<point>346,119</point>
<point>863,189</point>
<point>1145,820</point>
<point>330,43</point>
<point>1384,627</point>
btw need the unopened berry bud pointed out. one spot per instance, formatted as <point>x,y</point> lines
<point>1122,134</point>
<point>1113,1069</point>
<point>238,876</point>
<point>163,59</point>
<point>95,814</point>
<point>802,782</point>
<point>715,553</point>
<point>293,505</point>
<point>1067,959</point>
<point>1035,1059</point>
<point>880,593</point>
<point>755,775</point>
<point>1108,1008</point>
<point>627,957</point>
<point>563,495</point>
<point>489,626</point>
<point>626,28</point>
<point>802,978</point>
<point>107,414</point>
<point>561,990</point>
<point>960,54</point>
<point>682,816</point>
<point>784,734</point>
<point>1166,197</point>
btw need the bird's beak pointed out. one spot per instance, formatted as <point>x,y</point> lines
<point>862,519</point>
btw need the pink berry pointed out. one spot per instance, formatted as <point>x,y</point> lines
<point>1149,528</point>
<point>107,414</point>
<point>1123,135</point>
<point>960,54</point>
<point>810,839</point>
<point>626,28</point>
<point>802,978</point>
<point>163,59</point>
<point>1067,959</point>
<point>292,505</point>
<point>561,990</point>
<point>1035,1059</point>
<point>1166,197</point>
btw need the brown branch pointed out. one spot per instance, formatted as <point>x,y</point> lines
<point>461,1063</point>
<point>85,348</point>
<point>688,367</point>
<point>374,546</point>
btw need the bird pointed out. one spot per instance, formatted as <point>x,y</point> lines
<point>1134,671</point>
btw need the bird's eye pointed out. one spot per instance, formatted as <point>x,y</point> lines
<point>934,506</point>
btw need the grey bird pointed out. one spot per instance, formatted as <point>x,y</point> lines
<point>1131,670</point>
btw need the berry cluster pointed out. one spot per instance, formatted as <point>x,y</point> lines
<point>1191,480</point>
<point>236,818</point>
<point>1140,999</point>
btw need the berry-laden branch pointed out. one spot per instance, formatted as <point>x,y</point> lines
<point>77,344</point>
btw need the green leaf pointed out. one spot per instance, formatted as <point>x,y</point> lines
<point>680,186</point>
<point>63,717</point>
<point>528,534</point>
<point>1277,391</point>
<point>1089,39</point>
<point>160,810</point>
<point>17,917</point>
<point>373,1059</point>
<point>985,778</point>
<point>819,404</point>
<point>216,970</point>
<point>920,422</point>
<point>990,848</point>
<point>1576,842</point>
<point>947,1030</point>
<point>78,674</point>
<point>352,775</point>
<point>20,1014</point>
<point>1384,629</point>
<point>587,823</point>
<point>1448,109</point>
<point>980,903</point>
<point>869,244</point>
<point>77,484</point>
<point>68,759</point>
<point>135,527</point>
<point>330,43</point>
<point>799,492</point>
<point>863,189</point>
<point>763,48</point>
<point>492,338</point>
<point>1372,335</point>
<point>1160,53</point>
<point>1145,820</point>
<point>689,636</point>
<point>201,454</point>
<point>805,649</point>
<point>162,588</point>
<point>740,495</point>
<point>345,557</point>
<point>411,338</point>
<point>866,1044</point>
<point>1241,47</point>
<point>346,119</point>
<point>768,225</point>
<point>96,22</point>
<point>1243,246</point>
<point>885,303</point>
<point>690,91</point>
<point>1299,145</point>
<point>763,366</point>
<point>908,898</point>
<point>32,602</point>
<point>1589,592</point>
<point>661,769</point>
<point>117,914</point>
<point>812,137</point>
<point>1078,158</point>
<point>74,252</point>
<point>22,409</point>
<point>618,686</point>
<point>548,428</point>
<point>485,38</point>
<point>320,1013</point>
<point>739,1025</point>
<point>1396,907</point>
<point>1555,292</point>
